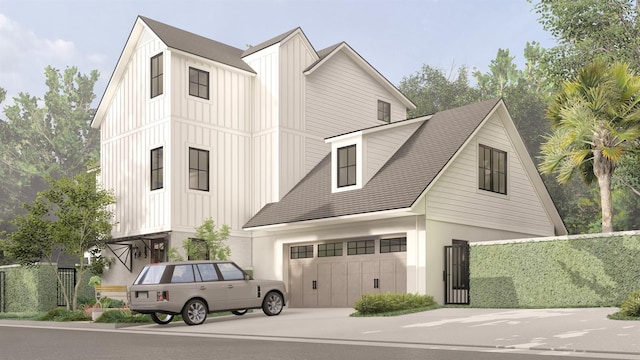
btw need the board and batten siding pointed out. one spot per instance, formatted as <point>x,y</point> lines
<point>456,198</point>
<point>220,125</point>
<point>133,125</point>
<point>295,57</point>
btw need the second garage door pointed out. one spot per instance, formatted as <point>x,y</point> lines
<point>336,274</point>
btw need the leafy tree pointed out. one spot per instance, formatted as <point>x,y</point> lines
<point>45,138</point>
<point>589,30</point>
<point>70,217</point>
<point>596,119</point>
<point>432,90</point>
<point>208,243</point>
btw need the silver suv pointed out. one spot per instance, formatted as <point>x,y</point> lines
<point>196,288</point>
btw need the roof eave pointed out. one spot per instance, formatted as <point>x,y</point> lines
<point>334,220</point>
<point>127,51</point>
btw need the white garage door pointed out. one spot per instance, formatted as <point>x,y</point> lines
<point>336,274</point>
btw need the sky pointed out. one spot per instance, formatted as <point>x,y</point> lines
<point>397,37</point>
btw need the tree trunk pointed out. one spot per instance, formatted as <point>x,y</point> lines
<point>604,182</point>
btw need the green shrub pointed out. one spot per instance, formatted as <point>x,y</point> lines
<point>122,316</point>
<point>392,302</point>
<point>631,306</point>
<point>62,314</point>
<point>110,303</point>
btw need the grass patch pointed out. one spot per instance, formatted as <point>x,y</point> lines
<point>21,316</point>
<point>123,316</point>
<point>396,312</point>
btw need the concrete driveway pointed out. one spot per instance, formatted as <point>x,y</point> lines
<point>559,331</point>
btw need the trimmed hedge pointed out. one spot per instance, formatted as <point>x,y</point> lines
<point>573,272</point>
<point>34,289</point>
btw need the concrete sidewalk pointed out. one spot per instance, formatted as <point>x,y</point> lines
<point>559,330</point>
<point>586,332</point>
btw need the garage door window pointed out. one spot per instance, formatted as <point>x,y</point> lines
<point>302,252</point>
<point>393,245</point>
<point>361,247</point>
<point>333,249</point>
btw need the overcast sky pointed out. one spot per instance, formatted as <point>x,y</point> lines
<point>395,36</point>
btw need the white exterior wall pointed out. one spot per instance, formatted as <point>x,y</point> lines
<point>337,91</point>
<point>220,125</point>
<point>133,125</point>
<point>455,197</point>
<point>266,112</point>
<point>295,57</point>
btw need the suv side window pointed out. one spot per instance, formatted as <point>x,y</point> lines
<point>230,271</point>
<point>207,272</point>
<point>182,274</point>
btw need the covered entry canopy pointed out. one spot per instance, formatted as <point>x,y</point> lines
<point>125,248</point>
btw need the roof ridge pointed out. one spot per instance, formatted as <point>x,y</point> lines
<point>274,40</point>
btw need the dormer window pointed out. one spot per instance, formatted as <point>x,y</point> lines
<point>384,111</point>
<point>347,166</point>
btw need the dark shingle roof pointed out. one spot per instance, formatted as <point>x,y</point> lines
<point>197,45</point>
<point>397,185</point>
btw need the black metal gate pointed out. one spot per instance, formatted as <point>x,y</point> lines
<point>68,277</point>
<point>2,292</point>
<point>456,273</point>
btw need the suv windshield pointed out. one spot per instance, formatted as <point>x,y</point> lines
<point>151,274</point>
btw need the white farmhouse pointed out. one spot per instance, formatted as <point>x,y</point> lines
<point>308,156</point>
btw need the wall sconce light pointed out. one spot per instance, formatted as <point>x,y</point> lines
<point>136,251</point>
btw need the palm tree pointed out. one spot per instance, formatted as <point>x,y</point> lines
<point>596,118</point>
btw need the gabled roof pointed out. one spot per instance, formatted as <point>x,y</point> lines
<point>272,41</point>
<point>197,45</point>
<point>426,153</point>
<point>325,55</point>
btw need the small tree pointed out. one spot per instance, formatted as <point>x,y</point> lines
<point>69,217</point>
<point>208,240</point>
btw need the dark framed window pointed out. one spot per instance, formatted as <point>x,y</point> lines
<point>361,247</point>
<point>156,169</point>
<point>333,249</point>
<point>198,83</point>
<point>492,173</point>
<point>393,245</point>
<point>198,169</point>
<point>384,111</point>
<point>347,166</point>
<point>302,252</point>
<point>157,82</point>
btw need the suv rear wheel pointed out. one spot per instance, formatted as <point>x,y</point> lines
<point>195,312</point>
<point>160,318</point>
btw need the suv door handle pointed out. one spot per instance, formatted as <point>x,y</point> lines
<point>230,286</point>
<point>202,287</point>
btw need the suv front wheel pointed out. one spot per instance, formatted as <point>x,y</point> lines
<point>272,304</point>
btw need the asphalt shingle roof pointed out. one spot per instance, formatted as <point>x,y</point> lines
<point>397,185</point>
<point>198,45</point>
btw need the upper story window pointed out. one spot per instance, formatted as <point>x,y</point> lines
<point>384,111</point>
<point>347,166</point>
<point>492,170</point>
<point>157,83</point>
<point>198,83</point>
<point>156,169</point>
<point>198,169</point>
